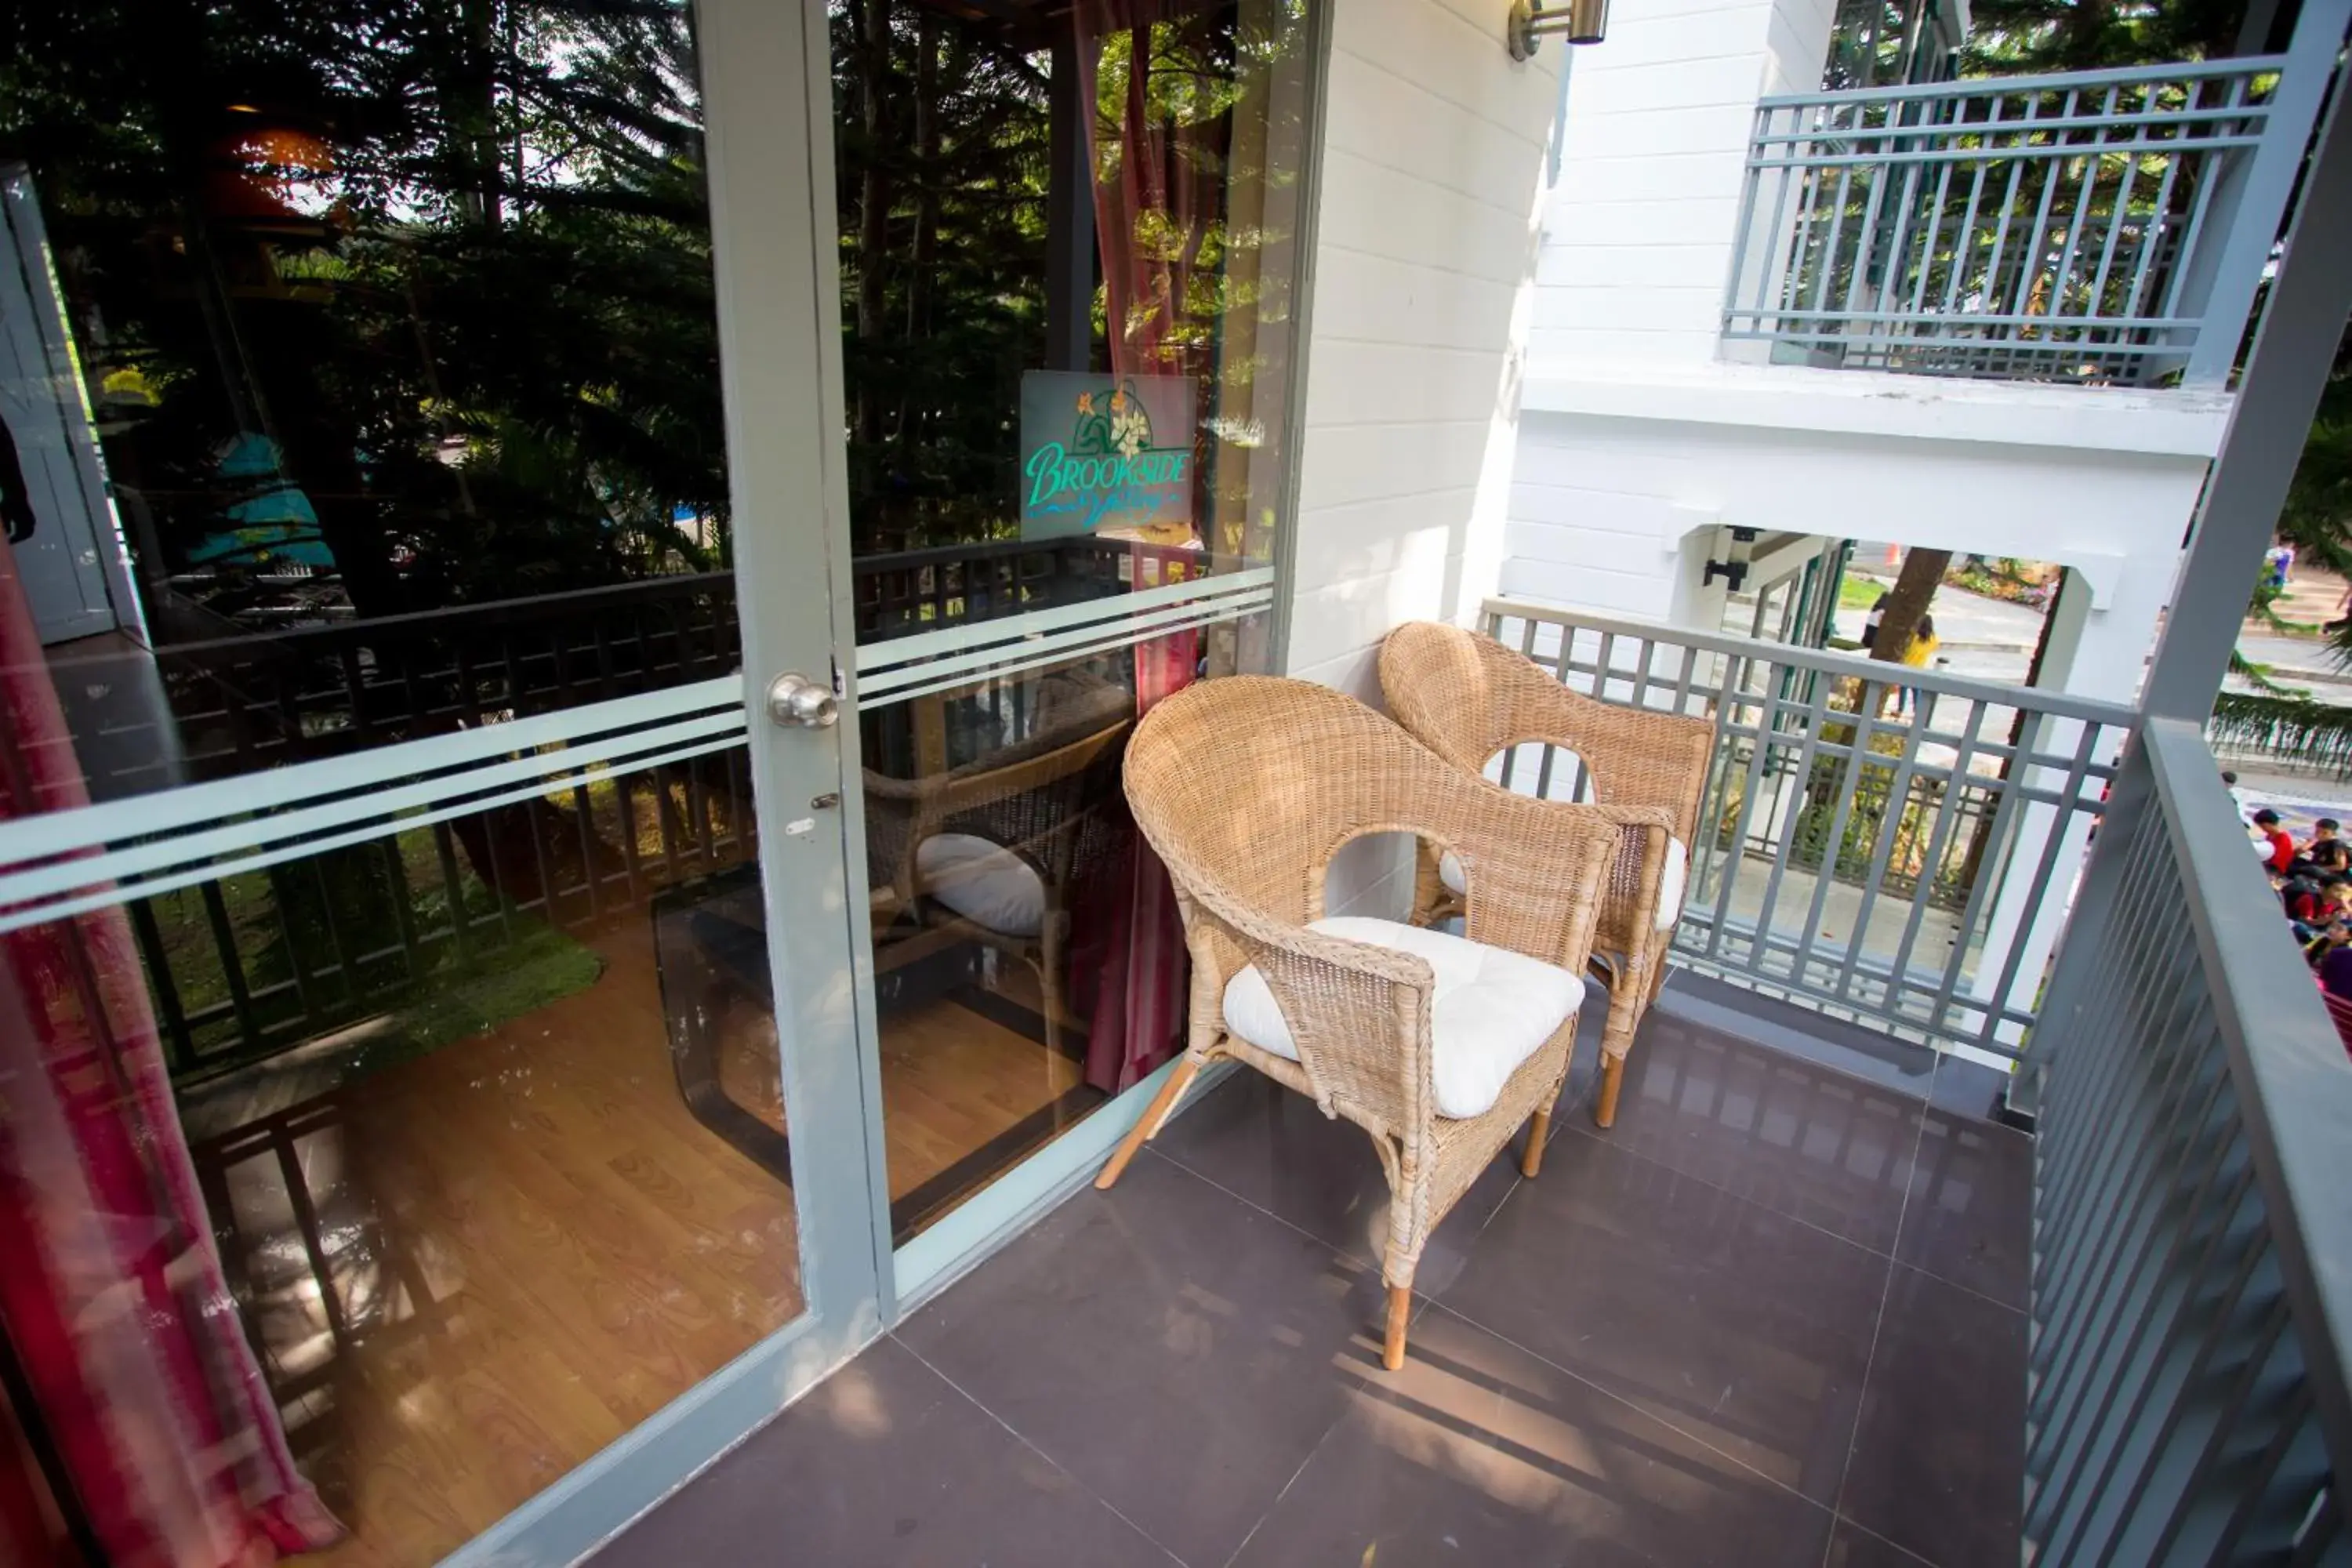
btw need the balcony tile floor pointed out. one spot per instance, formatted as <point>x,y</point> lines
<point>1773,1317</point>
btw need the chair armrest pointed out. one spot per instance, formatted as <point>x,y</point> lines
<point>1359,1014</point>
<point>1634,882</point>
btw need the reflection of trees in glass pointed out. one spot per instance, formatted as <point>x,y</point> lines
<point>1199,136</point>
<point>2012,37</point>
<point>445,263</point>
<point>945,144</point>
<point>941,133</point>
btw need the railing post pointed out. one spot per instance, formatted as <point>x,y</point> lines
<point>2294,354</point>
<point>1747,237</point>
<point>2242,221</point>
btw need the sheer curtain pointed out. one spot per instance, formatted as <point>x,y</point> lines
<point>111,1292</point>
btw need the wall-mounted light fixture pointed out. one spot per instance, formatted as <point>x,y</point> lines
<point>1734,570</point>
<point>1532,21</point>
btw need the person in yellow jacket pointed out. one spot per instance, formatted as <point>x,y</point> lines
<point>1922,650</point>
<point>1923,643</point>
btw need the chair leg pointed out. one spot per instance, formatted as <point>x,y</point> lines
<point>1538,1134</point>
<point>1050,958</point>
<point>1612,1073</point>
<point>1399,1318</point>
<point>1656,979</point>
<point>1162,1105</point>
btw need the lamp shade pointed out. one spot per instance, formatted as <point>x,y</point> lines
<point>1532,21</point>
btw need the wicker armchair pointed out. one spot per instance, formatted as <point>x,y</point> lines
<point>1441,1048</point>
<point>1468,697</point>
<point>990,852</point>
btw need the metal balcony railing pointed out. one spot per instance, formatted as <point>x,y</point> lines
<point>2108,227</point>
<point>1886,844</point>
<point>252,963</point>
<point>2192,1275</point>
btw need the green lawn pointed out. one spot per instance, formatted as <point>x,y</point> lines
<point>1859,592</point>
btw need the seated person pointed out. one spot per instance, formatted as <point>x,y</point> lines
<point>2333,937</point>
<point>2308,906</point>
<point>2335,970</point>
<point>2327,851</point>
<point>2276,846</point>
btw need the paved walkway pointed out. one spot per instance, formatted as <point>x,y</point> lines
<point>1985,640</point>
<point>2313,596</point>
<point>2295,661</point>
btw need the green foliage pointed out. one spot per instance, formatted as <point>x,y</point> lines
<point>2291,728</point>
<point>1872,815</point>
<point>2317,517</point>
<point>941,179</point>
<point>1859,592</point>
<point>943,183</point>
<point>319,948</point>
<point>449,257</point>
<point>2015,37</point>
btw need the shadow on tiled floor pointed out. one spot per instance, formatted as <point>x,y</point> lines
<point>1771,1317</point>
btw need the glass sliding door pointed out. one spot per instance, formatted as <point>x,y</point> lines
<point>1069,252</point>
<point>387,1014</point>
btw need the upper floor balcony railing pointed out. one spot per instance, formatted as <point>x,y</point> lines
<point>2105,227</point>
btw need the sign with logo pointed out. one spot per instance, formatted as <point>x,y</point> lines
<point>1104,452</point>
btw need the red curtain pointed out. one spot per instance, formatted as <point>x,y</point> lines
<point>111,1289</point>
<point>1151,203</point>
<point>1151,207</point>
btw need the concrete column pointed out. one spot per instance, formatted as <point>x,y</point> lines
<point>2094,651</point>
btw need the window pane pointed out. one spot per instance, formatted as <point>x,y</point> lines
<point>362,380</point>
<point>1069,247</point>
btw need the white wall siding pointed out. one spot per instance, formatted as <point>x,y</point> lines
<point>1424,260</point>
<point>1653,155</point>
<point>1424,281</point>
<point>1653,152</point>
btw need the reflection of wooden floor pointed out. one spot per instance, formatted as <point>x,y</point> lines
<point>554,1247</point>
<point>589,1249</point>
<point>954,1084</point>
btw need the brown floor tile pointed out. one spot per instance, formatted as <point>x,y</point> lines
<point>1850,1546</point>
<point>1475,1452</point>
<point>1804,1140</point>
<point>883,1463</point>
<point>1731,1322</point>
<point>1967,1090</point>
<point>1177,1350</point>
<point>1798,1032</point>
<point>1940,1453</point>
<point>1269,1146</point>
<point>1970,1218</point>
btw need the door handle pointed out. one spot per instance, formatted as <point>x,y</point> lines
<point>797,702</point>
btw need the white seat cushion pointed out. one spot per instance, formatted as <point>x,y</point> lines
<point>983,883</point>
<point>1490,1009</point>
<point>1450,871</point>
<point>1671,883</point>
